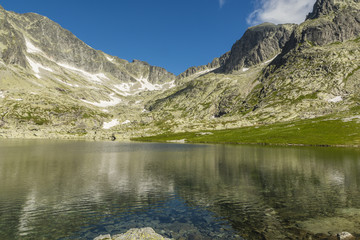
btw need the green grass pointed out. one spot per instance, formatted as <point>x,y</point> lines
<point>316,132</point>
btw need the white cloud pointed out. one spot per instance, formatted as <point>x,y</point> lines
<point>280,11</point>
<point>221,3</point>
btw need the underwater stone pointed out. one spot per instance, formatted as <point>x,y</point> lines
<point>103,237</point>
<point>135,233</point>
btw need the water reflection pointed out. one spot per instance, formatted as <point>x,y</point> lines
<point>68,190</point>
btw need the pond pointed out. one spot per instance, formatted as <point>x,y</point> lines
<point>80,190</point>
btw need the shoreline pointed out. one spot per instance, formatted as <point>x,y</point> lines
<point>137,140</point>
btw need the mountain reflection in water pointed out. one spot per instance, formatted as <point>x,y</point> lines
<point>70,190</point>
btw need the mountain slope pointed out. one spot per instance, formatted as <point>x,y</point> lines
<point>49,79</point>
<point>316,74</point>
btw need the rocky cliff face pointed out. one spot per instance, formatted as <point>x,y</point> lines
<point>259,44</point>
<point>317,71</point>
<point>330,21</point>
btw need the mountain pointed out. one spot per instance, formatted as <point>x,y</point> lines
<point>315,73</point>
<point>50,80</point>
<point>259,44</point>
<point>53,85</point>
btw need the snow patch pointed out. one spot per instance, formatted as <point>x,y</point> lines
<point>2,95</point>
<point>142,84</point>
<point>148,86</point>
<point>172,84</point>
<point>125,88</point>
<point>36,67</point>
<point>245,69</point>
<point>30,48</point>
<point>97,77</point>
<point>335,99</point>
<point>110,59</point>
<point>104,104</point>
<point>269,61</point>
<point>204,71</point>
<point>144,110</point>
<point>112,123</point>
<point>69,84</point>
<point>126,122</point>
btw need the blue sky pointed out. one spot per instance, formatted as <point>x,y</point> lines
<point>174,34</point>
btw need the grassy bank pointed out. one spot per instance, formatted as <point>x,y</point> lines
<point>315,132</point>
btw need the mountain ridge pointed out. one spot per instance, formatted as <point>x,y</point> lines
<point>54,85</point>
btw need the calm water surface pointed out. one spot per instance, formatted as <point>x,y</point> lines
<point>79,190</point>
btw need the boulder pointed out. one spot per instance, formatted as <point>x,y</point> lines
<point>345,236</point>
<point>135,234</point>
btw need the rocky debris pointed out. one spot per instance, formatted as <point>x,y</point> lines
<point>345,236</point>
<point>135,234</point>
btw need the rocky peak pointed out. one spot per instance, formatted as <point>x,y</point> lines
<point>331,21</point>
<point>326,7</point>
<point>259,43</point>
<point>140,62</point>
<point>196,71</point>
<point>51,42</point>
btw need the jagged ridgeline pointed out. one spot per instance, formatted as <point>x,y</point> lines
<point>54,85</point>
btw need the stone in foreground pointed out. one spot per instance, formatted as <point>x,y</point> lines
<point>345,236</point>
<point>135,234</point>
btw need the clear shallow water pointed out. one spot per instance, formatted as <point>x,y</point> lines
<point>72,190</point>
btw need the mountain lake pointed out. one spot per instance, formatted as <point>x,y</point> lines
<point>79,190</point>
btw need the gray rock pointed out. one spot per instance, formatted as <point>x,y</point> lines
<point>259,43</point>
<point>345,236</point>
<point>331,21</point>
<point>137,233</point>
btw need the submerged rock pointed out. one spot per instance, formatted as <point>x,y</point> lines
<point>134,234</point>
<point>103,237</point>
